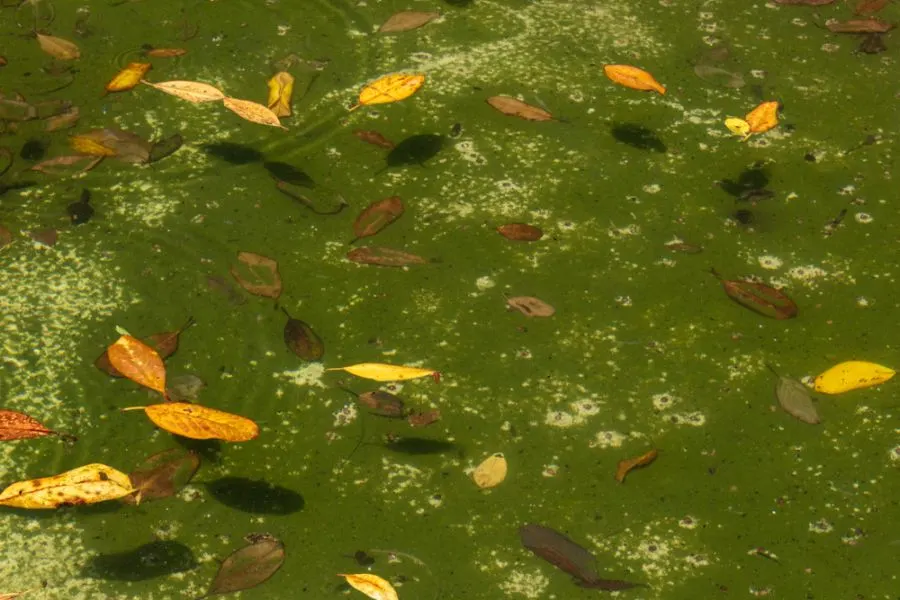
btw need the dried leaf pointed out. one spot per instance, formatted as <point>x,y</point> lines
<point>374,138</point>
<point>199,422</point>
<point>192,91</point>
<point>249,566</point>
<point>385,257</point>
<point>281,87</point>
<point>166,343</point>
<point>165,52</point>
<point>64,161</point>
<point>62,121</point>
<point>19,426</point>
<point>406,20</point>
<point>520,232</point>
<point>871,25</point>
<point>852,375</point>
<point>12,595</point>
<point>530,306</point>
<point>128,77</point>
<point>628,464</point>
<point>385,372</point>
<point>390,88</point>
<point>47,237</point>
<point>300,339</point>
<point>763,118</point>
<point>517,108</point>
<point>869,7</point>
<point>795,399</point>
<point>253,112</point>
<point>372,586</point>
<point>759,297</point>
<point>423,419</point>
<point>376,217</point>
<point>85,485</point>
<point>162,475</point>
<point>491,472</point>
<point>633,77</point>
<point>383,404</point>
<point>58,47</point>
<point>258,275</point>
<point>138,362</point>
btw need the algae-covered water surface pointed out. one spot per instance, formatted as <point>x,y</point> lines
<point>637,195</point>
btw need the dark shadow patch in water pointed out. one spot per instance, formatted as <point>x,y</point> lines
<point>415,150</point>
<point>235,154</point>
<point>149,561</point>
<point>255,496</point>
<point>417,445</point>
<point>638,136</point>
<point>459,2</point>
<point>289,173</point>
<point>34,149</point>
<point>754,177</point>
<point>210,451</point>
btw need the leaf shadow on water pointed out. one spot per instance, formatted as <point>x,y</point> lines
<point>236,154</point>
<point>289,173</point>
<point>419,445</point>
<point>210,451</point>
<point>638,136</point>
<point>415,150</point>
<point>753,177</point>
<point>459,2</point>
<point>155,559</point>
<point>255,496</point>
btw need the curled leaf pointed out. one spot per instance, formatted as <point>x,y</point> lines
<point>199,422</point>
<point>517,108</point>
<point>138,362</point>
<point>253,112</point>
<point>870,25</point>
<point>372,586</point>
<point>385,372</point>
<point>258,275</point>
<point>249,566</point>
<point>634,78</point>
<point>128,77</point>
<point>390,88</point>
<point>165,52</point>
<point>192,91</point>
<point>281,88</point>
<point>85,485</point>
<point>852,375</point>
<point>627,465</point>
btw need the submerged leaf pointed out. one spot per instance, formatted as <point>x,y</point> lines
<point>165,52</point>
<point>85,485</point>
<point>257,274</point>
<point>200,422</point>
<point>627,465</point>
<point>376,217</point>
<point>374,138</point>
<point>58,47</point>
<point>795,399</point>
<point>163,474</point>
<point>759,297</point>
<point>166,343</point>
<point>372,586</point>
<point>250,566</point>
<point>383,404</point>
<point>517,108</point>
<point>300,339</point>
<point>385,257</point>
<point>870,25</point>
<point>407,20</point>
<point>138,362</point>
<point>520,232</point>
<point>530,306</point>
<point>390,88</point>
<point>165,147</point>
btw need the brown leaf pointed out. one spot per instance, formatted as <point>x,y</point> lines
<point>517,108</point>
<point>19,426</point>
<point>374,138</point>
<point>46,166</point>
<point>253,112</point>
<point>47,237</point>
<point>805,2</point>
<point>627,465</point>
<point>162,475</point>
<point>520,232</point>
<point>62,121</point>
<point>249,566</point>
<point>859,26</point>
<point>530,306</point>
<point>385,257</point>
<point>406,20</point>
<point>165,52</point>
<point>759,297</point>
<point>869,7</point>
<point>383,404</point>
<point>423,419</point>
<point>376,217</point>
<point>300,339</point>
<point>123,145</point>
<point>166,343</point>
<point>6,237</point>
<point>58,47</point>
<point>257,274</point>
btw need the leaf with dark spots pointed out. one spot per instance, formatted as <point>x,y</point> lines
<point>249,566</point>
<point>155,559</point>
<point>415,150</point>
<point>376,217</point>
<point>255,496</point>
<point>383,404</point>
<point>300,339</point>
<point>236,154</point>
<point>289,173</point>
<point>417,445</point>
<point>162,475</point>
<point>638,136</point>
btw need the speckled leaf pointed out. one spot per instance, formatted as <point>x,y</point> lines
<point>58,47</point>
<point>520,232</point>
<point>85,485</point>
<point>19,426</point>
<point>250,566</point>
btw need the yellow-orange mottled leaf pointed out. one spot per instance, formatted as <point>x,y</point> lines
<point>253,112</point>
<point>390,88</point>
<point>84,485</point>
<point>372,586</point>
<point>138,362</point>
<point>385,372</point>
<point>128,77</point>
<point>281,88</point>
<point>634,78</point>
<point>192,91</point>
<point>763,118</point>
<point>58,47</point>
<point>200,422</point>
<point>852,375</point>
<point>87,145</point>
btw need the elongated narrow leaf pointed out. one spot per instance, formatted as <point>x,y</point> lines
<point>250,566</point>
<point>385,372</point>
<point>58,47</point>
<point>377,216</point>
<point>128,77</point>
<point>373,586</point>
<point>634,78</point>
<point>199,422</point>
<point>407,20</point>
<point>192,91</point>
<point>852,375</point>
<point>19,426</point>
<point>759,297</point>
<point>253,112</point>
<point>520,232</point>
<point>627,465</point>
<point>517,108</point>
<point>385,257</point>
<point>85,485</point>
<point>138,362</point>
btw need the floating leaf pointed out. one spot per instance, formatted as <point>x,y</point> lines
<point>250,566</point>
<point>385,372</point>
<point>390,88</point>
<point>795,399</point>
<point>253,112</point>
<point>423,419</point>
<point>683,247</point>
<point>165,147</point>
<point>162,475</point>
<point>376,217</point>
<point>63,121</point>
<point>517,108</point>
<point>633,77</point>
<point>383,404</point>
<point>281,88</point>
<point>385,257</point>
<point>738,126</point>
<point>86,145</point>
<point>138,362</point>
<point>257,274</point>
<point>125,146</point>
<point>46,166</point>
<point>128,77</point>
<point>192,91</point>
<point>406,20</point>
<point>374,138</point>
<point>491,472</point>
<point>58,47</point>
<point>627,465</point>
<point>300,339</point>
<point>852,375</point>
<point>199,422</point>
<point>85,485</point>
<point>19,426</point>
<point>759,297</point>
<point>165,52</point>
<point>870,25</point>
<point>763,118</point>
<point>530,306</point>
<point>166,343</point>
<point>520,232</point>
<point>372,586</point>
<point>805,2</point>
<point>869,7</point>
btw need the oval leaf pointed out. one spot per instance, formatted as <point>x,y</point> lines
<point>258,275</point>
<point>390,88</point>
<point>517,108</point>
<point>406,20</point>
<point>491,472</point>
<point>530,306</point>
<point>128,77</point>
<point>253,112</point>
<point>85,485</point>
<point>520,232</point>
<point>163,474</point>
<point>385,372</point>
<point>300,339</point>
<point>138,362</point>
<point>759,297</point>
<point>795,399</point>
<point>634,78</point>
<point>852,375</point>
<point>58,47</point>
<point>199,422</point>
<point>372,586</point>
<point>376,217</point>
<point>192,91</point>
<point>249,566</point>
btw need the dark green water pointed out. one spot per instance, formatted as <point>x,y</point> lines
<point>644,350</point>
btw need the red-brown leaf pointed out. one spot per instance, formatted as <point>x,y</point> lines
<point>19,426</point>
<point>520,232</point>
<point>385,257</point>
<point>376,217</point>
<point>859,26</point>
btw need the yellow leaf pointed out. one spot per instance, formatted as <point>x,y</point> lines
<point>385,372</point>
<point>738,126</point>
<point>58,47</point>
<point>253,112</point>
<point>192,91</point>
<point>491,472</point>
<point>128,77</point>
<point>390,88</point>
<point>372,586</point>
<point>763,118</point>
<point>852,375</point>
<point>88,145</point>
<point>138,362</point>
<point>199,422</point>
<point>281,87</point>
<point>634,78</point>
<point>84,485</point>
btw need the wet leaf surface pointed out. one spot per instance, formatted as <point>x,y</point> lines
<point>376,217</point>
<point>81,211</point>
<point>249,566</point>
<point>629,464</point>
<point>795,399</point>
<point>19,426</point>
<point>300,339</point>
<point>162,475</point>
<point>520,232</point>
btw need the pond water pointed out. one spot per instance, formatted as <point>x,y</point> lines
<point>638,196</point>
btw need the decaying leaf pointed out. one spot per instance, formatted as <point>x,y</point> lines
<point>852,375</point>
<point>165,147</point>
<point>192,91</point>
<point>19,426</point>
<point>47,166</point>
<point>385,372</point>
<point>281,88</point>
<point>249,566</point>
<point>491,472</point>
<point>390,88</point>
<point>58,47</point>
<point>795,399</point>
<point>520,232</point>
<point>128,77</point>
<point>165,52</point>
<point>627,465</point>
<point>634,78</point>
<point>47,237</point>
<point>138,362</point>
<point>870,25</point>
<point>869,7</point>
<point>517,108</point>
<point>123,145</point>
<point>406,20</point>
<point>423,419</point>
<point>376,217</point>
<point>200,422</point>
<point>63,121</point>
<point>85,485</point>
<point>530,306</point>
<point>372,586</point>
<point>184,388</point>
<point>759,297</point>
<point>764,117</point>
<point>300,339</point>
<point>162,475</point>
<point>385,257</point>
<point>253,112</point>
<point>88,145</point>
<point>258,275</point>
<point>383,404</point>
<point>374,138</point>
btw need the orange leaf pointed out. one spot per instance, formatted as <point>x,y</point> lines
<point>372,586</point>
<point>625,466</point>
<point>19,426</point>
<point>253,112</point>
<point>763,118</point>
<point>634,78</point>
<point>199,422</point>
<point>138,362</point>
<point>128,77</point>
